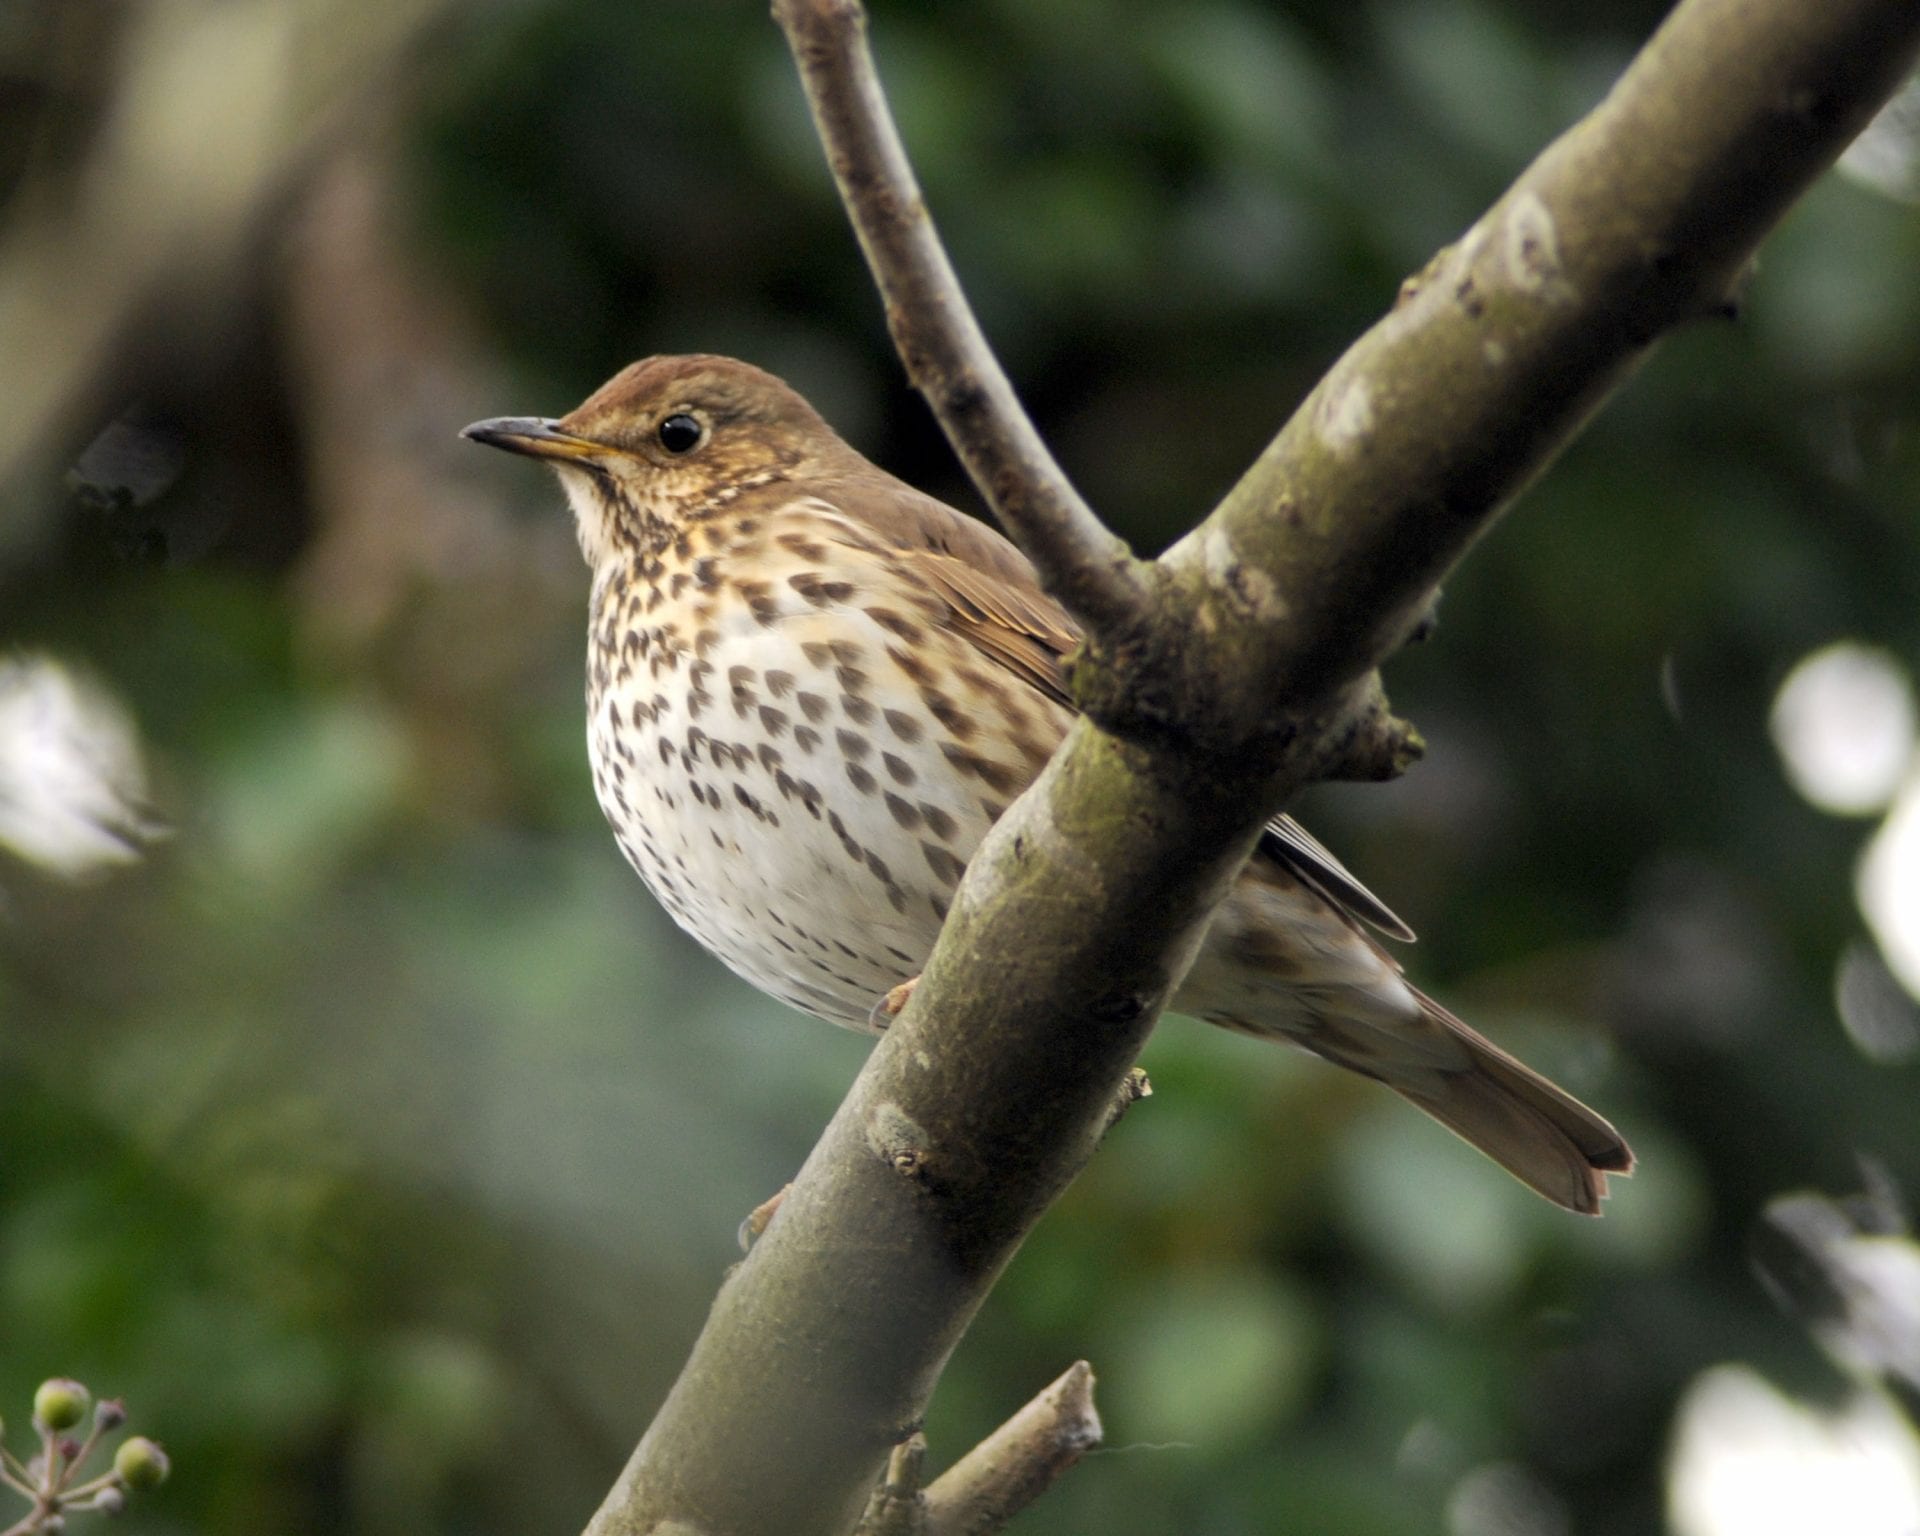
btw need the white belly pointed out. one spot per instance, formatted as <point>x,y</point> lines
<point>784,795</point>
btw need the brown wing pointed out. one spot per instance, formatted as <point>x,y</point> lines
<point>1297,848</point>
<point>1023,630</point>
<point>996,600</point>
<point>992,594</point>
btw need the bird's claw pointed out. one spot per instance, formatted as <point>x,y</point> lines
<point>888,1008</point>
<point>757,1218</point>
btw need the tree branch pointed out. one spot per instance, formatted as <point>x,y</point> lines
<point>1081,911</point>
<point>1641,217</point>
<point>995,1480</point>
<point>1083,564</point>
<point>1019,1461</point>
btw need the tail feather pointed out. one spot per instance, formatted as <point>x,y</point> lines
<point>1287,958</point>
<point>1539,1133</point>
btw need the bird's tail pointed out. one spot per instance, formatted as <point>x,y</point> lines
<point>1539,1133</point>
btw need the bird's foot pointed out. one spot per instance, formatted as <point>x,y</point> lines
<point>759,1216</point>
<point>888,1008</point>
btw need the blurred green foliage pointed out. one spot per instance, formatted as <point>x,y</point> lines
<point>381,1142</point>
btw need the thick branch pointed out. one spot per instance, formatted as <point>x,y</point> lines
<point>1081,911</point>
<point>1639,218</point>
<point>946,356</point>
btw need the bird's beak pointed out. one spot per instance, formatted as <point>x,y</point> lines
<point>533,436</point>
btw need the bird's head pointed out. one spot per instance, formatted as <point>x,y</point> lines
<point>666,440</point>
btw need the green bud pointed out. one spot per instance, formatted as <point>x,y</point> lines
<point>60,1403</point>
<point>140,1463</point>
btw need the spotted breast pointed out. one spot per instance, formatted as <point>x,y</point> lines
<point>794,748</point>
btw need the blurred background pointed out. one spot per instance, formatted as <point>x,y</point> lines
<point>366,1125</point>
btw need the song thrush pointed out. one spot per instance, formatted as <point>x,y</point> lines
<point>812,689</point>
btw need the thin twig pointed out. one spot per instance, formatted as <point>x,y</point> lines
<point>79,1457</point>
<point>947,356</point>
<point>90,1487</point>
<point>14,1475</point>
<point>52,1476</point>
<point>1019,1461</point>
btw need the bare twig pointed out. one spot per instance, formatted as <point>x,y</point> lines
<point>1080,561</point>
<point>14,1475</point>
<point>1019,1461</point>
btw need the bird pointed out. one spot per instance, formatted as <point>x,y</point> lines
<point>812,689</point>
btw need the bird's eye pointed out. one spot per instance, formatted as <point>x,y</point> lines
<point>679,433</point>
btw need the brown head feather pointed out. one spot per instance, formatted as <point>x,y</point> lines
<point>744,408</point>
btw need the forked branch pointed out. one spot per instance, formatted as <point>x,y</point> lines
<point>1019,1461</point>
<point>995,1480</point>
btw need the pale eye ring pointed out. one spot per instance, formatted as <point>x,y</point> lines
<point>679,433</point>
